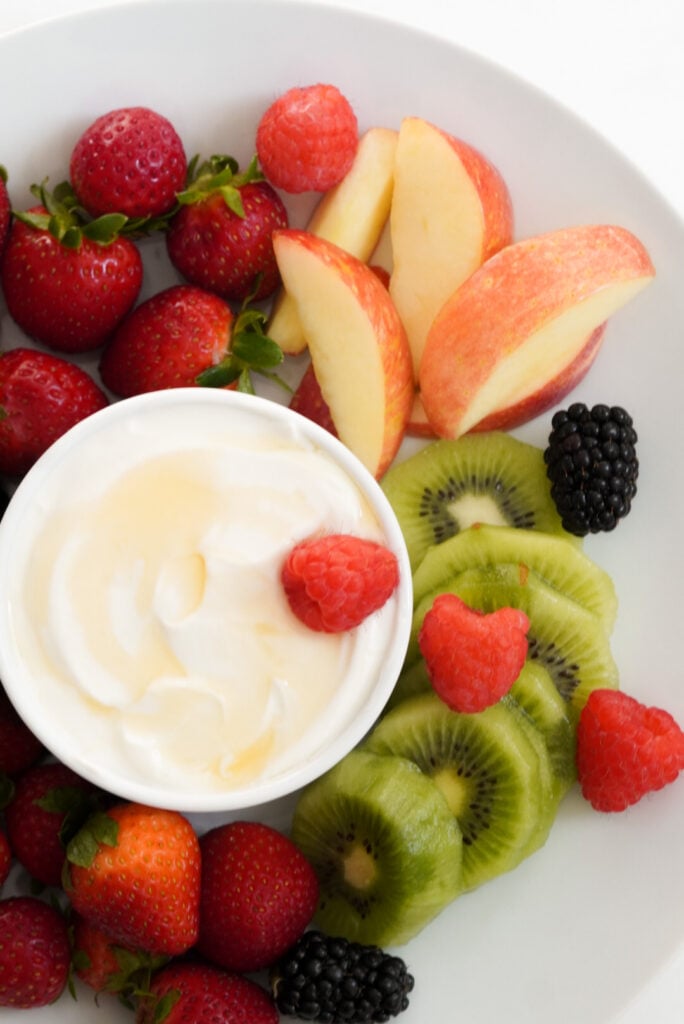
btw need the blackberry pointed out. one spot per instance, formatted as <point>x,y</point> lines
<point>592,464</point>
<point>333,980</point>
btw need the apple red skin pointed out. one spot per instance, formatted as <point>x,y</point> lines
<point>493,208</point>
<point>510,297</point>
<point>497,209</point>
<point>393,347</point>
<point>527,408</point>
<point>549,394</point>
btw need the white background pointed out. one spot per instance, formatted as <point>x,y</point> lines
<point>617,64</point>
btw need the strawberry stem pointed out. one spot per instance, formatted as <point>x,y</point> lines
<point>98,830</point>
<point>69,223</point>
<point>251,350</point>
<point>220,173</point>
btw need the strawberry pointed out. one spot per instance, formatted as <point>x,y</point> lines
<point>105,966</point>
<point>134,872</point>
<point>184,336</point>
<point>307,139</point>
<point>5,858</point>
<point>335,581</point>
<point>196,993</point>
<point>259,893</point>
<point>309,401</point>
<point>41,397</point>
<point>625,750</point>
<point>50,802</point>
<point>5,209</point>
<point>34,953</point>
<point>68,283</point>
<point>131,161</point>
<point>472,659</point>
<point>19,748</point>
<point>167,342</point>
<point>220,238</point>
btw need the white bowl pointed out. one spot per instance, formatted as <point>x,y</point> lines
<point>73,567</point>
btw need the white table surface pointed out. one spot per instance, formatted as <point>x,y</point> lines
<point>618,65</point>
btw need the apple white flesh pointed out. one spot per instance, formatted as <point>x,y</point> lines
<point>358,346</point>
<point>451,210</point>
<point>523,319</point>
<point>351,215</point>
<point>550,393</point>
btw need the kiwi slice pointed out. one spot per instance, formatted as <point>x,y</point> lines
<point>563,636</point>
<point>385,847</point>
<point>413,680</point>
<point>535,693</point>
<point>479,478</point>
<point>551,793</point>
<point>559,562</point>
<point>487,770</point>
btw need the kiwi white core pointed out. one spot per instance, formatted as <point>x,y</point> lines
<point>472,509</point>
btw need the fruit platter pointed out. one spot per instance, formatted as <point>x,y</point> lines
<point>475,842</point>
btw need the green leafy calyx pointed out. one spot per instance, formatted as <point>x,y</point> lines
<point>251,350</point>
<point>66,221</point>
<point>99,830</point>
<point>218,175</point>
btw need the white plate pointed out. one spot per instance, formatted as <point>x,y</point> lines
<point>581,928</point>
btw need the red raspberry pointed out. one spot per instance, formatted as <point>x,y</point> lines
<point>334,582</point>
<point>307,139</point>
<point>472,659</point>
<point>625,750</point>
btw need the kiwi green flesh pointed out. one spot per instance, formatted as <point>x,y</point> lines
<point>558,561</point>
<point>565,638</point>
<point>550,791</point>
<point>386,849</point>
<point>537,696</point>
<point>487,770</point>
<point>413,680</point>
<point>450,485</point>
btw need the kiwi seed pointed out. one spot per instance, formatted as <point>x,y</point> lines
<point>385,847</point>
<point>563,636</point>
<point>559,561</point>
<point>479,478</point>
<point>488,771</point>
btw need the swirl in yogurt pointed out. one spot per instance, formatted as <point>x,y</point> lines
<point>150,608</point>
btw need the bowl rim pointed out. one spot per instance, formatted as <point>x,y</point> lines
<point>15,678</point>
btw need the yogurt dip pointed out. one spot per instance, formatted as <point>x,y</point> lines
<point>146,621</point>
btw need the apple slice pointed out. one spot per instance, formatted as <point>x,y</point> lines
<point>358,346</point>
<point>550,393</point>
<point>524,320</point>
<point>418,424</point>
<point>451,210</point>
<point>352,215</point>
